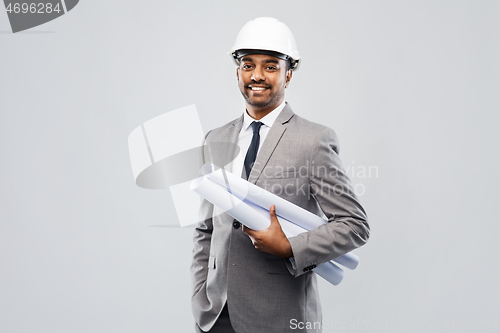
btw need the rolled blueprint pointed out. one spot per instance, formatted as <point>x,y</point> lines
<point>256,218</point>
<point>259,197</point>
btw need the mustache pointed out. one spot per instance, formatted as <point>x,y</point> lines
<point>256,83</point>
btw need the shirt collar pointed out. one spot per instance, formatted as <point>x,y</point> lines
<point>268,120</point>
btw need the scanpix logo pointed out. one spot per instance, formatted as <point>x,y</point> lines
<point>25,14</point>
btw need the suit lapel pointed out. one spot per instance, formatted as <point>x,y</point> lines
<point>272,139</point>
<point>232,137</point>
<point>223,148</point>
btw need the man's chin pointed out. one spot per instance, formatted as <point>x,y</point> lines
<point>258,103</point>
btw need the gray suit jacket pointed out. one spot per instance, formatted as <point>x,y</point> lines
<point>299,162</point>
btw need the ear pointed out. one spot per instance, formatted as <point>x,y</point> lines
<point>238,73</point>
<point>288,77</point>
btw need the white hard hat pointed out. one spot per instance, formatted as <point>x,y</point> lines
<point>266,34</point>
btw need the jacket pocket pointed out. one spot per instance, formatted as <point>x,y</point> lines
<point>286,174</point>
<point>276,266</point>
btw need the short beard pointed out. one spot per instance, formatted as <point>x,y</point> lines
<point>263,103</point>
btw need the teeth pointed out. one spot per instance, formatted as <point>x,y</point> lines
<point>258,88</point>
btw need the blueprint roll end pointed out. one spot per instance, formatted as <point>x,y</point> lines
<point>207,168</point>
<point>195,183</point>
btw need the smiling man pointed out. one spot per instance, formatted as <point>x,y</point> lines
<point>260,281</point>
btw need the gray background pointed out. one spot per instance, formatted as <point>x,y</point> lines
<point>411,88</point>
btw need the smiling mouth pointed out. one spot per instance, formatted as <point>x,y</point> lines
<point>257,88</point>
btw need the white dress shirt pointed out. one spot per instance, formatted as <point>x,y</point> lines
<point>246,134</point>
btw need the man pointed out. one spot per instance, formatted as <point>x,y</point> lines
<point>260,281</point>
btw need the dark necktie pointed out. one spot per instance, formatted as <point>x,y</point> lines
<point>252,150</point>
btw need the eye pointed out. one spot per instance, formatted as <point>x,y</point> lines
<point>246,66</point>
<point>271,68</point>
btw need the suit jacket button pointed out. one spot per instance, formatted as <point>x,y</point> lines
<point>236,224</point>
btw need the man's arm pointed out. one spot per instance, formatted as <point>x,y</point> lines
<point>201,248</point>
<point>201,241</point>
<point>348,227</point>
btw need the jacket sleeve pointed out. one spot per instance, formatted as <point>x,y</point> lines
<point>347,226</point>
<point>201,241</point>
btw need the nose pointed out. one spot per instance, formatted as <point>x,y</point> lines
<point>258,74</point>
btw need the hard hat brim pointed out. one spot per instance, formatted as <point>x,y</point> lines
<point>237,54</point>
<point>241,53</point>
